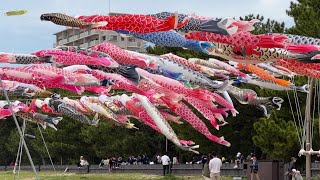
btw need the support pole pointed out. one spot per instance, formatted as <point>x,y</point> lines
<point>308,129</point>
<point>166,144</point>
<point>19,148</point>
<point>109,7</point>
<point>19,130</point>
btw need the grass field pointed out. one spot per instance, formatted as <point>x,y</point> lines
<point>28,175</point>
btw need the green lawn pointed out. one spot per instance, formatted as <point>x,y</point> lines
<point>28,175</point>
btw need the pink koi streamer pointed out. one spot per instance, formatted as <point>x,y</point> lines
<point>197,124</point>
<point>123,56</point>
<point>71,58</point>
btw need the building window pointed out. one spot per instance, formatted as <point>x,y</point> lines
<point>132,40</point>
<point>103,38</point>
<point>122,39</point>
<point>113,38</point>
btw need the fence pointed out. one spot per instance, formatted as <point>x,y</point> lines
<point>177,169</point>
<point>266,168</point>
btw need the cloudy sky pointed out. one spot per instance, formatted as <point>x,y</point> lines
<point>26,33</point>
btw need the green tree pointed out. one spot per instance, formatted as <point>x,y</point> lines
<point>276,137</point>
<point>306,16</point>
<point>268,26</point>
<point>6,126</point>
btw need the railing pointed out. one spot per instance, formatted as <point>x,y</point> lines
<point>73,38</point>
<point>92,32</point>
<point>84,45</point>
<point>177,169</point>
<point>63,41</point>
<point>84,34</point>
<point>132,44</point>
<point>94,42</point>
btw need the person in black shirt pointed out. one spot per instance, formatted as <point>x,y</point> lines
<point>204,160</point>
<point>111,164</point>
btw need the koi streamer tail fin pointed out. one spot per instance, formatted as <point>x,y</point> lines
<point>302,48</point>
<point>219,26</point>
<point>265,110</point>
<point>129,72</point>
<point>52,126</point>
<point>95,120</point>
<point>194,147</point>
<point>309,57</point>
<point>130,125</point>
<point>56,120</point>
<point>186,143</point>
<point>220,140</point>
<point>277,101</point>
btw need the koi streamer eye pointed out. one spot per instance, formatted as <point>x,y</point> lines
<point>55,96</point>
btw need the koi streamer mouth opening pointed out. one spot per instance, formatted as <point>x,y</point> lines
<point>46,17</point>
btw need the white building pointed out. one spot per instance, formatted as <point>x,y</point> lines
<point>89,38</point>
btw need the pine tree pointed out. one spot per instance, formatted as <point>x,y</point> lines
<point>306,16</point>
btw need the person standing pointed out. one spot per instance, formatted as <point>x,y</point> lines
<point>292,168</point>
<point>83,162</point>
<point>204,160</point>
<point>175,160</point>
<point>205,167</point>
<point>165,163</point>
<point>214,167</point>
<point>237,160</point>
<point>254,168</point>
<point>111,164</point>
<point>158,159</point>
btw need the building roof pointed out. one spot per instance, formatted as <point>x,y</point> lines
<point>67,29</point>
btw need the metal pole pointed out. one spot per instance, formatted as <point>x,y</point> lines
<point>21,150</point>
<point>308,129</point>
<point>45,145</point>
<point>20,145</point>
<point>109,6</point>
<point>19,130</point>
<point>166,144</point>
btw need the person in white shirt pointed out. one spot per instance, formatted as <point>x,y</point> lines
<point>83,162</point>
<point>174,160</point>
<point>165,163</point>
<point>214,167</point>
